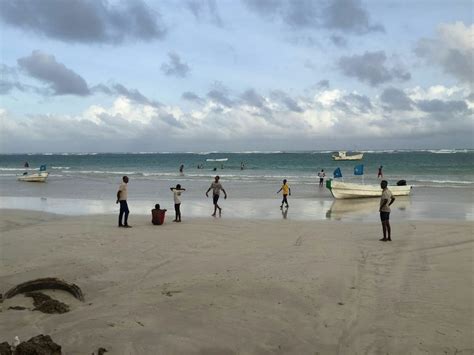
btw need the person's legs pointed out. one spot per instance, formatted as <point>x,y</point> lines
<point>383,219</point>
<point>122,211</point>
<point>389,230</point>
<point>178,216</point>
<point>176,212</point>
<point>126,212</point>
<point>285,199</point>
<point>215,198</point>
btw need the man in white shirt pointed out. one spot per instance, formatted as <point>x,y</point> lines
<point>122,195</point>
<point>321,175</point>
<point>385,201</point>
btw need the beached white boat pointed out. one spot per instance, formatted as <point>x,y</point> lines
<point>39,177</point>
<point>341,190</point>
<point>342,155</point>
<point>218,160</point>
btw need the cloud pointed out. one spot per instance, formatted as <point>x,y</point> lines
<point>440,106</point>
<point>452,50</point>
<point>175,67</point>
<point>348,16</point>
<point>255,120</point>
<point>338,41</point>
<point>205,10</point>
<point>61,80</point>
<point>191,96</point>
<point>396,99</point>
<point>220,94</point>
<point>323,84</point>
<point>131,94</point>
<point>84,21</point>
<point>371,67</point>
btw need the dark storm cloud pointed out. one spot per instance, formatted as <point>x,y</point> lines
<point>342,15</point>
<point>440,106</point>
<point>396,99</point>
<point>191,96</point>
<point>85,21</point>
<point>289,102</point>
<point>62,80</point>
<point>175,67</point>
<point>131,94</point>
<point>251,98</point>
<point>371,67</point>
<point>205,9</point>
<point>171,120</point>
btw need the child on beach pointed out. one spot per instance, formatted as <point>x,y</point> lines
<point>286,191</point>
<point>177,201</point>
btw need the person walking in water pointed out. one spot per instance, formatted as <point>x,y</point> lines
<point>385,202</point>
<point>122,195</point>
<point>181,169</point>
<point>177,201</point>
<point>380,173</point>
<point>286,191</point>
<point>216,188</point>
<point>321,175</point>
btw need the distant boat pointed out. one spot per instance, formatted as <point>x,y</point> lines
<point>342,190</point>
<point>39,177</point>
<point>221,159</point>
<point>342,155</point>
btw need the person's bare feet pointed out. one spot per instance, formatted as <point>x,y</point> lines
<point>383,239</point>
<point>213,215</point>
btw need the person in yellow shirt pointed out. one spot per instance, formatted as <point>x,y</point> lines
<point>285,189</point>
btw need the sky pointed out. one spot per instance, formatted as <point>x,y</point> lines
<point>235,75</point>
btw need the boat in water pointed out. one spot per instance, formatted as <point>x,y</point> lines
<point>342,190</point>
<point>342,155</point>
<point>41,176</point>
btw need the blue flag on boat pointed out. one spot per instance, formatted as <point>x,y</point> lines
<point>337,173</point>
<point>359,170</point>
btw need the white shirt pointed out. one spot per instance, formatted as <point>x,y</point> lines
<point>123,192</point>
<point>386,195</point>
<point>176,196</point>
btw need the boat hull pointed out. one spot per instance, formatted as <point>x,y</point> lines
<point>348,157</point>
<point>346,190</point>
<point>40,177</point>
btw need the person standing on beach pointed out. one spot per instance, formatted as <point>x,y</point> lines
<point>286,191</point>
<point>177,201</point>
<point>216,188</point>
<point>321,175</point>
<point>122,195</point>
<point>385,202</point>
<point>380,173</point>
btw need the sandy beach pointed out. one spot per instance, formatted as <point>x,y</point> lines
<point>230,286</point>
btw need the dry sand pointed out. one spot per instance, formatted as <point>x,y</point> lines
<point>217,286</point>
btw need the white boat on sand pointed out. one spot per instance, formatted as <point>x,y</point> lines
<point>342,155</point>
<point>342,190</point>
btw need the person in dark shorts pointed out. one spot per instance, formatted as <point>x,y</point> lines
<point>216,188</point>
<point>385,202</point>
<point>321,175</point>
<point>177,201</point>
<point>122,195</point>
<point>380,173</point>
<point>285,189</point>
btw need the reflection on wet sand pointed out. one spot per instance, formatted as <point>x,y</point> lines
<point>361,207</point>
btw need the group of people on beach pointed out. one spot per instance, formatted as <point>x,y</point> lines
<point>386,201</point>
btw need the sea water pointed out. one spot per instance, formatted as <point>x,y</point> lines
<point>82,180</point>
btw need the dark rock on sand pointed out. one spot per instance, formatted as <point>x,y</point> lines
<point>5,349</point>
<point>38,345</point>
<point>46,304</point>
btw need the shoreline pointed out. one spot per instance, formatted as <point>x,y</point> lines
<point>226,286</point>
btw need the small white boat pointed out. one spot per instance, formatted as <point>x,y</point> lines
<point>342,155</point>
<point>39,177</point>
<point>218,160</point>
<point>341,190</point>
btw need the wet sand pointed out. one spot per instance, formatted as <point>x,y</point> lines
<point>235,286</point>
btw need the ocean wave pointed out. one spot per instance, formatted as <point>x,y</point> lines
<point>61,167</point>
